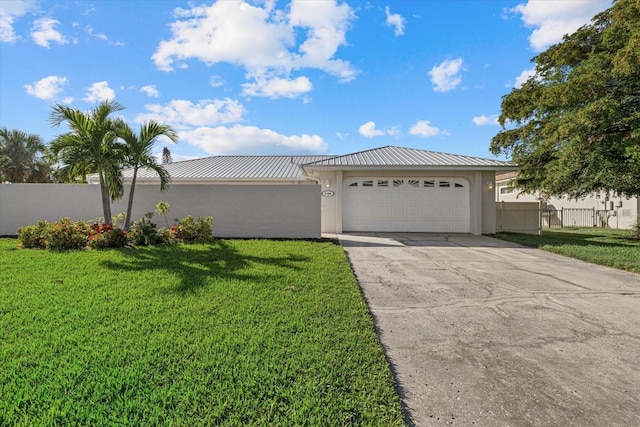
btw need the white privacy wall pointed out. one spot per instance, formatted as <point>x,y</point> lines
<point>268,211</point>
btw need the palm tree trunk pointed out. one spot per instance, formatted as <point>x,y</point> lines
<point>106,200</point>
<point>127,220</point>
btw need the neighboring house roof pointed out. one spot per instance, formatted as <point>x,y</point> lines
<point>394,157</point>
<point>506,176</point>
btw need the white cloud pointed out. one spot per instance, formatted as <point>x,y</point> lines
<point>396,21</point>
<point>216,81</point>
<point>262,40</point>
<point>240,139</point>
<point>9,12</point>
<point>99,91</point>
<point>485,120</point>
<point>150,90</point>
<point>47,88</point>
<point>424,129</point>
<point>68,100</point>
<point>523,77</point>
<point>183,114</point>
<point>553,19</point>
<point>446,76</point>
<point>277,87</point>
<point>369,130</point>
<point>43,32</point>
<point>92,33</point>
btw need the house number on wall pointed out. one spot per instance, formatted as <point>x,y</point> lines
<point>328,193</point>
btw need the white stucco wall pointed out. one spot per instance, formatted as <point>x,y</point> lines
<point>269,211</point>
<point>482,203</point>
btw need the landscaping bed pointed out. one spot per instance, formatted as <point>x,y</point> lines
<point>235,332</point>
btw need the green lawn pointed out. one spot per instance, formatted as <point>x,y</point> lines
<point>610,247</point>
<point>237,332</point>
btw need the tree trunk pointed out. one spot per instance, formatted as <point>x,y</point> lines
<point>106,200</point>
<point>127,220</point>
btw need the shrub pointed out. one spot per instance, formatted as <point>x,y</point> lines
<point>143,232</point>
<point>107,237</point>
<point>119,220</point>
<point>34,236</point>
<point>66,234</point>
<point>168,236</point>
<point>195,231</point>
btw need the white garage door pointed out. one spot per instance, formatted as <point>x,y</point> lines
<point>406,204</point>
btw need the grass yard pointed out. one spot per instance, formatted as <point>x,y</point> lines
<point>610,247</point>
<point>237,332</point>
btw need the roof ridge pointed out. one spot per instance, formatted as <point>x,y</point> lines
<point>258,156</point>
<point>443,153</point>
<point>349,154</point>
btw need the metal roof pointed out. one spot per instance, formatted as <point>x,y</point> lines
<point>391,156</point>
<point>233,168</point>
<point>254,168</point>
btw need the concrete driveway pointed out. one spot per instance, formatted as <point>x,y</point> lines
<point>483,332</point>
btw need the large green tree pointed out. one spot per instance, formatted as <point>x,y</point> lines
<point>23,157</point>
<point>92,146</point>
<point>139,155</point>
<point>574,126</point>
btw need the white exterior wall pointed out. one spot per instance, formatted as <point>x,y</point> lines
<point>482,203</point>
<point>269,211</point>
<point>626,210</point>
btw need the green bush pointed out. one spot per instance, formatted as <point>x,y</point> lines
<point>168,236</point>
<point>112,238</point>
<point>195,231</point>
<point>143,232</point>
<point>65,234</point>
<point>34,236</point>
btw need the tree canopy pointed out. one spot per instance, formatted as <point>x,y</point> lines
<point>138,154</point>
<point>91,146</point>
<point>23,157</point>
<point>574,126</point>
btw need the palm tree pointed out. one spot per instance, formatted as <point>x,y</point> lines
<point>166,156</point>
<point>138,155</point>
<point>23,157</point>
<point>91,146</point>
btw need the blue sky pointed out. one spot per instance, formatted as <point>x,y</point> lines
<point>281,77</point>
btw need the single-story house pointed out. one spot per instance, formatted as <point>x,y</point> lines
<point>609,210</point>
<point>387,189</point>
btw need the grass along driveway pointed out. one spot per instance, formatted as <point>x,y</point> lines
<point>248,332</point>
<point>603,246</point>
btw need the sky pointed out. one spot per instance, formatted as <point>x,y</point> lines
<point>254,77</point>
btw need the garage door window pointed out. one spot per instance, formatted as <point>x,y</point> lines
<point>406,183</point>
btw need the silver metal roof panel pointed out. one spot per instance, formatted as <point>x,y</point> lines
<point>400,156</point>
<point>233,167</point>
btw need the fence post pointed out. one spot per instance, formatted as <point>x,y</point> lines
<point>540,223</point>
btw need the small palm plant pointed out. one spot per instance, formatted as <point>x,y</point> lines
<point>163,208</point>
